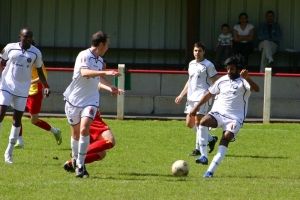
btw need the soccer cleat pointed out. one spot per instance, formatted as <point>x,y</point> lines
<point>19,145</point>
<point>70,165</point>
<point>202,160</point>
<point>208,174</point>
<point>212,143</point>
<point>8,158</point>
<point>81,172</point>
<point>57,135</point>
<point>195,152</point>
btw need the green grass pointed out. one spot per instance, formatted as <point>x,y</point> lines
<point>263,163</point>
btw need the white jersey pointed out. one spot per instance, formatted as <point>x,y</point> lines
<point>199,74</point>
<point>16,76</point>
<point>83,91</point>
<point>245,31</point>
<point>232,97</point>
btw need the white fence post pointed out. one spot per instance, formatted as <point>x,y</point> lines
<point>267,95</point>
<point>121,97</point>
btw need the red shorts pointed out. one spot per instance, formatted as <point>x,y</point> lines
<point>34,103</point>
<point>97,127</point>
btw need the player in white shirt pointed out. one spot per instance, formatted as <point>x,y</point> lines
<point>229,109</point>
<point>201,74</point>
<point>17,60</point>
<point>82,97</point>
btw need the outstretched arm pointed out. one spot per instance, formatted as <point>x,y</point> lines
<point>93,73</point>
<point>105,85</point>
<point>203,100</point>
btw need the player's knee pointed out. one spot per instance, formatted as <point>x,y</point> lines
<point>190,125</point>
<point>226,138</point>
<point>101,155</point>
<point>34,120</point>
<point>109,137</point>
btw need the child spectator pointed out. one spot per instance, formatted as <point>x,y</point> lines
<point>224,46</point>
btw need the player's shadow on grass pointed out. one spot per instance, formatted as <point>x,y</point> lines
<point>256,156</point>
<point>133,176</point>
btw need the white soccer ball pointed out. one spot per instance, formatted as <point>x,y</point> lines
<point>180,168</point>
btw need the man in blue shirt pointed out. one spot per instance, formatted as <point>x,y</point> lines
<point>269,35</point>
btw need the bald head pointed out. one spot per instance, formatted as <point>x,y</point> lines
<point>26,36</point>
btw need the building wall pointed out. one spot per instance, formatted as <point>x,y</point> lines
<point>148,26</point>
<point>142,32</point>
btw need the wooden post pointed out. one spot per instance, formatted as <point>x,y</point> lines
<point>267,95</point>
<point>121,97</point>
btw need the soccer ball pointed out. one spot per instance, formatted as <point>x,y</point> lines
<point>180,168</point>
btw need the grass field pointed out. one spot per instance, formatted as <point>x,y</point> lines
<point>263,163</point>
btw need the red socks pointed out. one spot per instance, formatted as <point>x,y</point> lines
<point>99,146</point>
<point>42,124</point>
<point>91,157</point>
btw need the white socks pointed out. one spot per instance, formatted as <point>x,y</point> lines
<point>84,142</point>
<point>14,134</point>
<point>197,145</point>
<point>222,150</point>
<point>74,147</point>
<point>203,135</point>
<point>209,137</point>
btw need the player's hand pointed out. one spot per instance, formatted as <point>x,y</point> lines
<point>46,92</point>
<point>178,99</point>
<point>244,73</point>
<point>112,73</point>
<point>116,91</point>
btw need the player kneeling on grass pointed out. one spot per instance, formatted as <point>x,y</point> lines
<point>230,107</point>
<point>101,139</point>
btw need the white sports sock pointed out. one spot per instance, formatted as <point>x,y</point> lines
<point>53,130</point>
<point>74,147</point>
<point>222,150</point>
<point>14,134</point>
<point>84,142</point>
<point>203,133</point>
<point>197,145</point>
<point>209,137</point>
<point>20,140</point>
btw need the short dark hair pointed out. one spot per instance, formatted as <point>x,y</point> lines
<point>236,60</point>
<point>243,14</point>
<point>225,25</point>
<point>270,12</point>
<point>99,37</point>
<point>200,45</point>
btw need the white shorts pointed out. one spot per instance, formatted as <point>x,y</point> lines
<point>8,99</point>
<point>74,114</point>
<point>226,123</point>
<point>191,104</point>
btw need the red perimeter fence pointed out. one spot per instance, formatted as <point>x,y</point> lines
<point>67,69</point>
